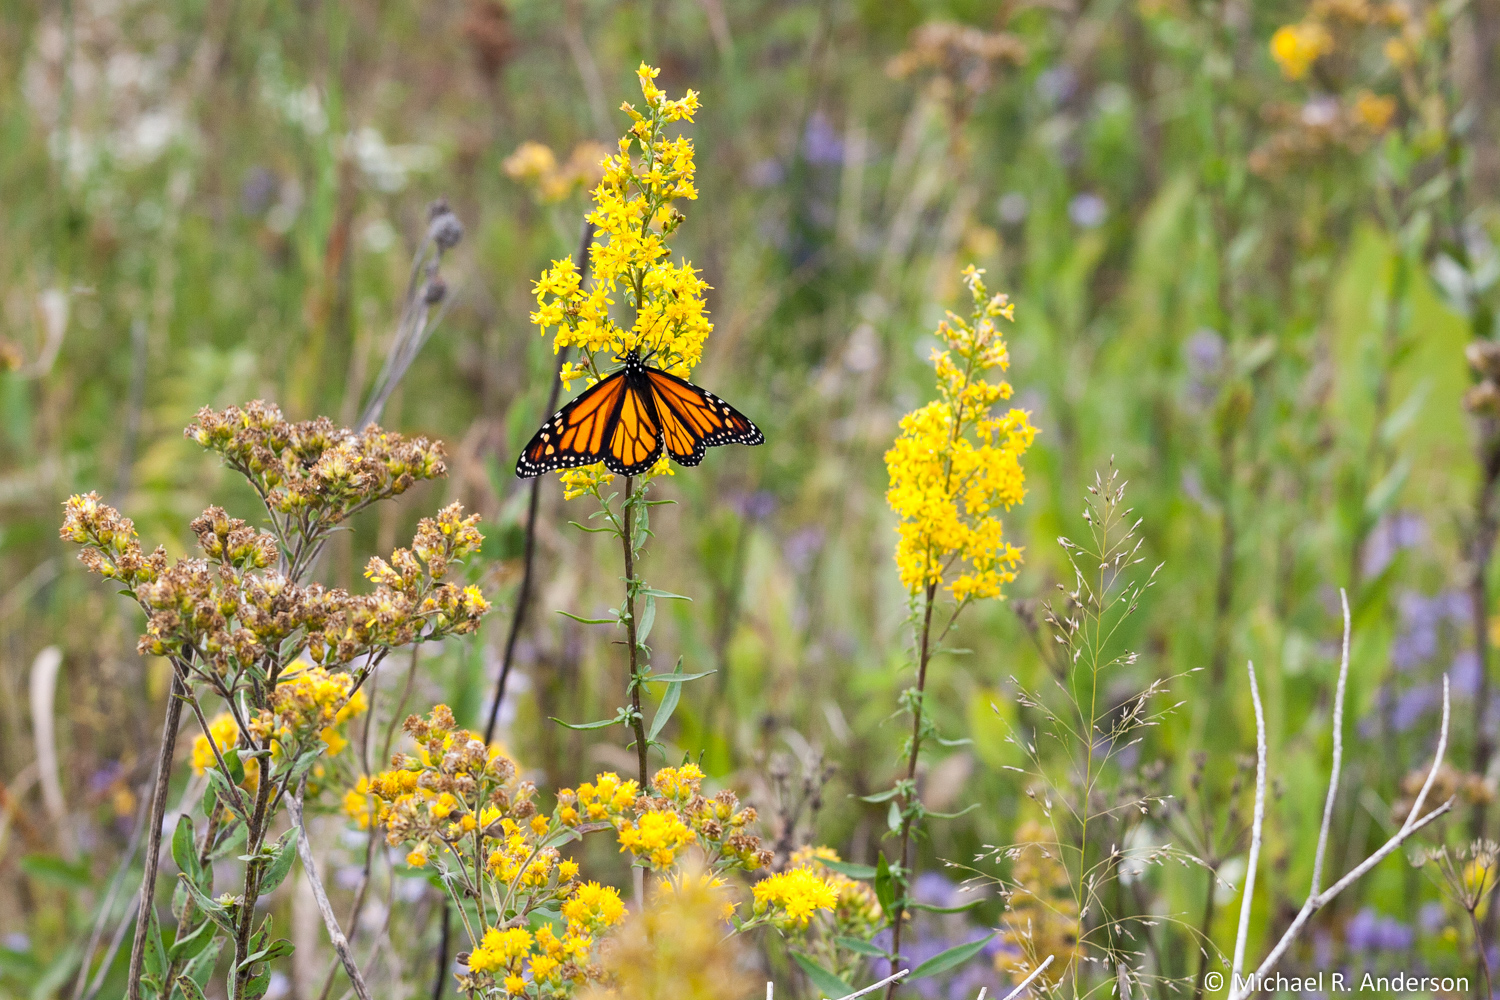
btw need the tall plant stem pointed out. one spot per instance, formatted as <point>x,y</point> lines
<point>523,594</point>
<point>918,713</point>
<point>1203,932</point>
<point>153,834</point>
<point>637,721</point>
<point>256,836</point>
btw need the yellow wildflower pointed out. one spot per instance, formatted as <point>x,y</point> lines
<point>634,216</point>
<point>359,803</point>
<point>593,907</point>
<point>225,734</point>
<point>678,782</point>
<point>1295,47</point>
<point>1374,111</point>
<point>793,896</point>
<point>954,466</point>
<point>655,835</point>
<point>417,858</point>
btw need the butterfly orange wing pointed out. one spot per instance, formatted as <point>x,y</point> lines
<point>578,434</point>
<point>694,420</point>
<point>635,433</point>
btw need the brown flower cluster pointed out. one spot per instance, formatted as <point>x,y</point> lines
<point>111,547</point>
<point>314,470</point>
<point>1483,399</point>
<point>230,542</point>
<point>1306,133</point>
<point>1467,787</point>
<point>436,793</point>
<point>229,613</point>
<point>959,55</point>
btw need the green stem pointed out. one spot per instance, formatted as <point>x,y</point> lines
<point>637,721</point>
<point>908,800</point>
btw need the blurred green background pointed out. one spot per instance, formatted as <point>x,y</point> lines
<point>1252,293</point>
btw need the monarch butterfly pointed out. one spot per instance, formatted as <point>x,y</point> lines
<point>627,418</point>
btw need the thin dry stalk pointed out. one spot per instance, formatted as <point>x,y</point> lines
<point>1415,820</point>
<point>331,922</point>
<point>1260,816</point>
<point>164,757</point>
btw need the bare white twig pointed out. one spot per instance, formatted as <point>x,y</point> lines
<point>331,922</point>
<point>1415,821</point>
<point>871,988</point>
<point>1338,752</point>
<point>1027,981</point>
<point>1256,827</point>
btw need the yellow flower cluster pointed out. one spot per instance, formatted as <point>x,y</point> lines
<point>657,836</point>
<point>791,897</point>
<point>1041,916</point>
<point>513,954</point>
<point>634,216</point>
<point>1295,47</point>
<point>588,479</point>
<point>858,913</point>
<point>535,165</point>
<point>953,467</point>
<point>657,828</point>
<point>313,700</point>
<point>226,735</point>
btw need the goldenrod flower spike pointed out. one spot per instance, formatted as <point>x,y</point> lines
<point>954,467</point>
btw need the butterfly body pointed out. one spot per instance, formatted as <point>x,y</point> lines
<point>627,419</point>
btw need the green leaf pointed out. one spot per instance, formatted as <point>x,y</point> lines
<point>1387,490</point>
<point>588,621</point>
<point>955,743</point>
<point>954,815</point>
<point>668,702</point>
<point>950,959</point>
<point>893,816</point>
<point>587,725</point>
<point>664,595</point>
<point>236,768</point>
<point>193,944</point>
<point>200,968</point>
<point>156,955</point>
<point>860,947</point>
<point>849,868</point>
<point>889,793</point>
<point>227,795</point>
<point>281,862</point>
<point>885,884</point>
<point>820,977</point>
<point>214,909</point>
<point>231,841</point>
<point>674,678</point>
<point>304,763</point>
<point>53,869</point>
<point>929,908</point>
<point>190,990</point>
<point>185,849</point>
<point>643,627</point>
